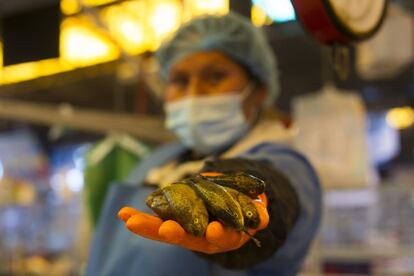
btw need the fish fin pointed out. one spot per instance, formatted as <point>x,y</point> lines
<point>255,240</point>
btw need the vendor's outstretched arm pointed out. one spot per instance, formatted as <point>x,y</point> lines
<point>283,208</point>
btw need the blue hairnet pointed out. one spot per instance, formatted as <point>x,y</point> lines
<point>232,34</point>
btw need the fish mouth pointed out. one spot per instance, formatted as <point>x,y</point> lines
<point>197,231</point>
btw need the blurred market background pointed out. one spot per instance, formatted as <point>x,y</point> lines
<point>79,93</point>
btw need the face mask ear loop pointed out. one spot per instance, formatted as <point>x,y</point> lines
<point>190,107</point>
<point>247,91</point>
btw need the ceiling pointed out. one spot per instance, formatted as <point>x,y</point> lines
<point>300,59</point>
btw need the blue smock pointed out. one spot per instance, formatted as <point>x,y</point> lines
<point>118,252</point>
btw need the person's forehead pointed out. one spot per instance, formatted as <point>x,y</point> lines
<point>203,59</point>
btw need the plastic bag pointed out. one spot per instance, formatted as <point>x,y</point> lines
<point>110,160</point>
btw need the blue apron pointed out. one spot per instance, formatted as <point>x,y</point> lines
<point>117,251</point>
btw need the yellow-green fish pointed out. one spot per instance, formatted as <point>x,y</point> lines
<point>219,202</point>
<point>240,181</point>
<point>184,206</point>
<point>250,214</point>
<point>159,204</point>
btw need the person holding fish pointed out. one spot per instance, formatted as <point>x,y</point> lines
<point>231,198</point>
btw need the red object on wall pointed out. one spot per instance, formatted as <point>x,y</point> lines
<point>316,20</point>
<point>320,20</point>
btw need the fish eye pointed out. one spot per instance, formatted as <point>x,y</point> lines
<point>249,214</point>
<point>195,220</point>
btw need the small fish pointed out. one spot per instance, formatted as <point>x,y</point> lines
<point>190,201</point>
<point>250,214</point>
<point>187,208</point>
<point>240,181</point>
<point>159,204</point>
<point>219,202</point>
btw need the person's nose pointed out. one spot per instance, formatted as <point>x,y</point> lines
<point>195,87</point>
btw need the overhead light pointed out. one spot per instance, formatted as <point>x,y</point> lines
<point>31,70</point>
<point>127,26</point>
<point>97,2</point>
<point>70,7</point>
<point>164,18</point>
<point>277,10</point>
<point>212,6</point>
<point>82,45</point>
<point>400,117</point>
<point>135,26</point>
<point>195,8</point>
<point>260,17</point>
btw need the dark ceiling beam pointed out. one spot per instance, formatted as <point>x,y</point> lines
<point>8,7</point>
<point>146,128</point>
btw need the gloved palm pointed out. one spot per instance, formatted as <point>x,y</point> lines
<point>218,238</point>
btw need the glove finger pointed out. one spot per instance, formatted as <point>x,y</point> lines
<point>223,237</point>
<point>211,173</point>
<point>172,232</point>
<point>198,244</point>
<point>262,199</point>
<point>144,225</point>
<point>126,212</point>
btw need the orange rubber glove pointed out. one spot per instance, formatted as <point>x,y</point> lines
<point>218,238</point>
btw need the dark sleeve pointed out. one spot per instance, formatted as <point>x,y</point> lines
<point>283,208</point>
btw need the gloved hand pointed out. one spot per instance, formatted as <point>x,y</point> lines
<point>218,238</point>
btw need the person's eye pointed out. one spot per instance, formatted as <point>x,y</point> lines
<point>180,81</point>
<point>216,77</point>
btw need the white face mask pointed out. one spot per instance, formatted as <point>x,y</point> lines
<point>208,124</point>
